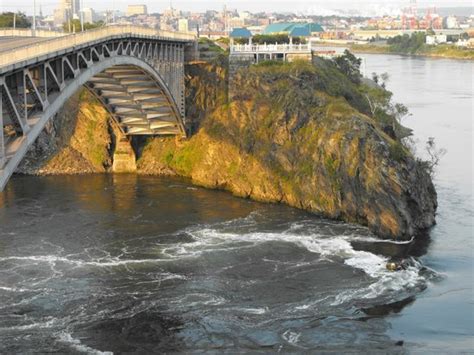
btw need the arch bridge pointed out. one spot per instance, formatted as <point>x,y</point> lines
<point>137,74</point>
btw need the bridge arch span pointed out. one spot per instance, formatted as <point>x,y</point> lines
<point>139,78</point>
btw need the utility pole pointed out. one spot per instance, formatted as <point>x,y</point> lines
<point>34,18</point>
<point>14,20</point>
<point>81,10</point>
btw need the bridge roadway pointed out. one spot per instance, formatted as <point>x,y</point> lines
<point>137,73</point>
<point>11,43</point>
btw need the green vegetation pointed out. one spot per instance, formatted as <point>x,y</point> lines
<point>342,92</point>
<point>415,45</point>
<point>75,26</point>
<point>8,18</point>
<point>314,135</point>
<point>208,47</point>
<point>407,44</point>
<point>349,64</point>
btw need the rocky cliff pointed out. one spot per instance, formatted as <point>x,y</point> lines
<point>80,139</point>
<point>298,134</point>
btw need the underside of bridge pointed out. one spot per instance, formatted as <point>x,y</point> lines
<point>137,103</point>
<point>136,73</point>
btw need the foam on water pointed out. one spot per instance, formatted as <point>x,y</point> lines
<point>330,248</point>
<point>76,344</point>
<point>104,262</point>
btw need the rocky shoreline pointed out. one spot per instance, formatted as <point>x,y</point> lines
<point>298,135</point>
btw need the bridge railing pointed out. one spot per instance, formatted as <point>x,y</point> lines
<point>52,45</point>
<point>270,48</point>
<point>28,32</point>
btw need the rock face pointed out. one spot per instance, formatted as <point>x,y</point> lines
<point>297,134</point>
<point>285,139</point>
<point>78,140</point>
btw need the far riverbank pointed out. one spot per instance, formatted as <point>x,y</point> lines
<point>440,51</point>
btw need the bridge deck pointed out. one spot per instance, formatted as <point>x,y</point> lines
<point>20,55</point>
<point>137,73</point>
<point>10,43</point>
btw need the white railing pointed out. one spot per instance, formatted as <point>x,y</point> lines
<point>30,51</point>
<point>270,48</point>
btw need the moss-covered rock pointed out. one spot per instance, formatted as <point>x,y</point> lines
<point>295,133</point>
<point>78,140</point>
<point>292,135</point>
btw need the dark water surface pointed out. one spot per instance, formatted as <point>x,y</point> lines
<point>125,263</point>
<point>439,94</point>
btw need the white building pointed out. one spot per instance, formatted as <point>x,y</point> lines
<point>67,10</point>
<point>133,10</point>
<point>436,39</point>
<point>183,25</point>
<point>452,22</point>
<point>89,15</point>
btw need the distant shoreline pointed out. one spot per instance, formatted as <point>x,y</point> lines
<point>435,52</point>
<point>440,51</point>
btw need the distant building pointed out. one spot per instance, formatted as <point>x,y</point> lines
<point>436,39</point>
<point>89,15</point>
<point>133,10</point>
<point>67,10</point>
<point>73,6</point>
<point>287,27</point>
<point>240,33</point>
<point>452,22</point>
<point>183,25</point>
<point>465,43</point>
<point>298,32</point>
<point>60,16</point>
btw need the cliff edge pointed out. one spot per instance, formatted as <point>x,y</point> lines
<point>303,134</point>
<point>297,134</point>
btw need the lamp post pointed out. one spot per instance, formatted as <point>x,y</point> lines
<point>34,18</point>
<point>81,10</point>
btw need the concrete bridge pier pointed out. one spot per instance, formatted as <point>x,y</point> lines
<point>2,138</point>
<point>124,159</point>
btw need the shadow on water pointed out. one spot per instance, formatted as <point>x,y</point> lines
<point>386,309</point>
<point>397,250</point>
<point>145,332</point>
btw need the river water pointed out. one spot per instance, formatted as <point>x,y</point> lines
<point>123,263</point>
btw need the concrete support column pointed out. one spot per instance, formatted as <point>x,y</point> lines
<point>166,64</point>
<point>2,138</point>
<point>124,157</point>
<point>44,82</point>
<point>175,72</point>
<point>22,95</point>
<point>181,102</point>
<point>160,58</point>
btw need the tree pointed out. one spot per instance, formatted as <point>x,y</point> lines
<point>387,113</point>
<point>7,19</point>
<point>349,64</point>
<point>378,100</point>
<point>399,112</point>
<point>434,154</point>
<point>385,78</point>
<point>76,26</point>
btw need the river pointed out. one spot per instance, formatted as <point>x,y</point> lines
<point>128,263</point>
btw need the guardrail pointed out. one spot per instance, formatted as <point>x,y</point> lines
<point>30,51</point>
<point>270,48</point>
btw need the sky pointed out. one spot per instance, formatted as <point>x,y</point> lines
<point>300,6</point>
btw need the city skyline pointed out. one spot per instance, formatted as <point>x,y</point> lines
<point>301,6</point>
